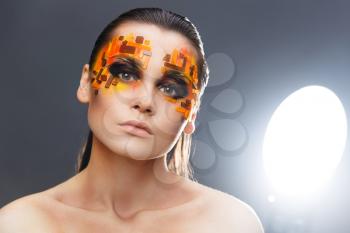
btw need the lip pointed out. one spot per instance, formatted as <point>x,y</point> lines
<point>137,128</point>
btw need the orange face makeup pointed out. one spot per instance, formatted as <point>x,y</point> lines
<point>136,49</point>
<point>130,55</point>
<point>184,64</point>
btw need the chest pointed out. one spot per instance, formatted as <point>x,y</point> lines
<point>193,220</point>
<point>151,227</point>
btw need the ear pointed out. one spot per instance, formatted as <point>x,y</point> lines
<point>190,126</point>
<point>83,92</point>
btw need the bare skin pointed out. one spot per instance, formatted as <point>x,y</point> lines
<point>206,210</point>
<point>123,188</point>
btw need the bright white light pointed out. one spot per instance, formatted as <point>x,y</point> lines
<point>305,140</point>
<point>271,198</point>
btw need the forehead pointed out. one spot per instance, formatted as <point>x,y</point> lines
<point>162,41</point>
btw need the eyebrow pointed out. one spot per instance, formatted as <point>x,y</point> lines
<point>177,76</point>
<point>129,63</point>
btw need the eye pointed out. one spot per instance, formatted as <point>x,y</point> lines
<point>124,72</point>
<point>173,90</point>
<point>127,77</point>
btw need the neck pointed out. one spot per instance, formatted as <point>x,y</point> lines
<point>126,186</point>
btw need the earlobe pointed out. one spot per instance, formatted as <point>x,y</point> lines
<point>83,92</point>
<point>190,126</point>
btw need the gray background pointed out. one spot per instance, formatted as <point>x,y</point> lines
<point>277,47</point>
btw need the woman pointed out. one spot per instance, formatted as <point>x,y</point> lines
<point>143,85</point>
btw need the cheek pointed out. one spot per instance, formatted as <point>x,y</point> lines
<point>184,105</point>
<point>168,122</point>
<point>102,114</point>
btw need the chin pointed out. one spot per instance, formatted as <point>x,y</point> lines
<point>133,147</point>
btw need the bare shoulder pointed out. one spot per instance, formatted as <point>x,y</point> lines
<point>242,217</point>
<point>26,214</point>
<point>230,213</point>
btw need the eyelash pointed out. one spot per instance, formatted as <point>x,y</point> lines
<point>176,95</point>
<point>178,91</point>
<point>133,76</point>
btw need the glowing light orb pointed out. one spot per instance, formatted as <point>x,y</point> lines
<point>305,140</point>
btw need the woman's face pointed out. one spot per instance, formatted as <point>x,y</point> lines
<point>142,90</point>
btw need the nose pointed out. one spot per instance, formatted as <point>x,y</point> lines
<point>143,107</point>
<point>143,101</point>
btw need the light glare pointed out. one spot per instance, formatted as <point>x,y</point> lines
<point>305,140</point>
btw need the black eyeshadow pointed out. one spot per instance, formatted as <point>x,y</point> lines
<point>176,76</point>
<point>127,65</point>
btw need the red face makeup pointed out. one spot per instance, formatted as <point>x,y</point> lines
<point>121,63</point>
